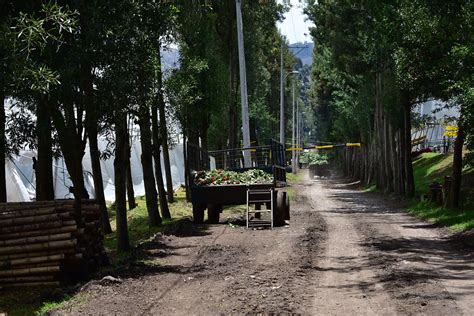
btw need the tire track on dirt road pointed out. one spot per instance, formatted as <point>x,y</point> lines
<point>346,284</point>
<point>412,268</point>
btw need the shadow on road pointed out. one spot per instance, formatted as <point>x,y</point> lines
<point>411,256</point>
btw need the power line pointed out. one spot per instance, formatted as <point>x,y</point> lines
<point>301,48</point>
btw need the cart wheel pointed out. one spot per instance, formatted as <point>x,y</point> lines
<point>198,213</point>
<point>213,212</point>
<point>279,212</point>
<point>287,207</point>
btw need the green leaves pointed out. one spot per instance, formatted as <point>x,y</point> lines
<point>225,177</point>
<point>42,78</point>
<point>30,35</point>
<point>34,33</point>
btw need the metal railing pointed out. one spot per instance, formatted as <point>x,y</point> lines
<point>270,158</point>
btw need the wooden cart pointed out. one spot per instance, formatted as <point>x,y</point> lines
<point>269,158</point>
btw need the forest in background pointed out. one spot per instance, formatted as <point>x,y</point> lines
<point>375,61</point>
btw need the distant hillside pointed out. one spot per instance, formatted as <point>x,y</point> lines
<point>305,54</point>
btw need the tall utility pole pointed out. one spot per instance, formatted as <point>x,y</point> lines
<point>282,95</point>
<point>293,152</point>
<point>243,84</point>
<point>297,125</point>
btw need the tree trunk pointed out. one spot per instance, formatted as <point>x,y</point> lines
<point>72,147</point>
<point>77,177</point>
<point>401,158</point>
<point>3,183</point>
<point>165,212</point>
<point>232,103</point>
<point>379,134</point>
<point>123,243</point>
<point>204,127</point>
<point>253,134</point>
<point>186,170</point>
<point>387,157</point>
<point>409,180</point>
<point>166,155</point>
<point>147,166</point>
<point>130,191</point>
<point>97,176</point>
<point>394,160</point>
<point>92,132</point>
<point>164,132</point>
<point>457,165</point>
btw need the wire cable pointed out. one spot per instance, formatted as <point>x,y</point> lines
<point>21,172</point>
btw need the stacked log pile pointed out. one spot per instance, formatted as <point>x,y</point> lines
<point>40,243</point>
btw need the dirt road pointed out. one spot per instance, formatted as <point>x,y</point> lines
<point>345,252</point>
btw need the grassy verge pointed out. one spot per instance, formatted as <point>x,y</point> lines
<point>369,188</point>
<point>46,307</point>
<point>30,301</point>
<point>433,167</point>
<point>456,220</point>
<point>138,229</point>
<point>40,301</point>
<point>292,178</point>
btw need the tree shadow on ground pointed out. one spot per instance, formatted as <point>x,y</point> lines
<point>403,262</point>
<point>145,258</point>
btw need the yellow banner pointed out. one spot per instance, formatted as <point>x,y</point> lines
<point>353,145</point>
<point>294,148</point>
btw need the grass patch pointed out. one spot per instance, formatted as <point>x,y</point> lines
<point>34,300</point>
<point>433,167</point>
<point>139,230</point>
<point>292,178</point>
<point>456,220</point>
<point>370,188</point>
<point>49,306</point>
<point>291,193</point>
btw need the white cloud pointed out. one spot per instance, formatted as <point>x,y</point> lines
<point>295,26</point>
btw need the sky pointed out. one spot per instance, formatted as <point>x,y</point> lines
<point>294,27</point>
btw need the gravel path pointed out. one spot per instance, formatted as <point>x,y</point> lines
<point>345,252</point>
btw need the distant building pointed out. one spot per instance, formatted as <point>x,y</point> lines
<point>437,118</point>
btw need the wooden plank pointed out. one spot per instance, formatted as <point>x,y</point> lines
<point>38,247</point>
